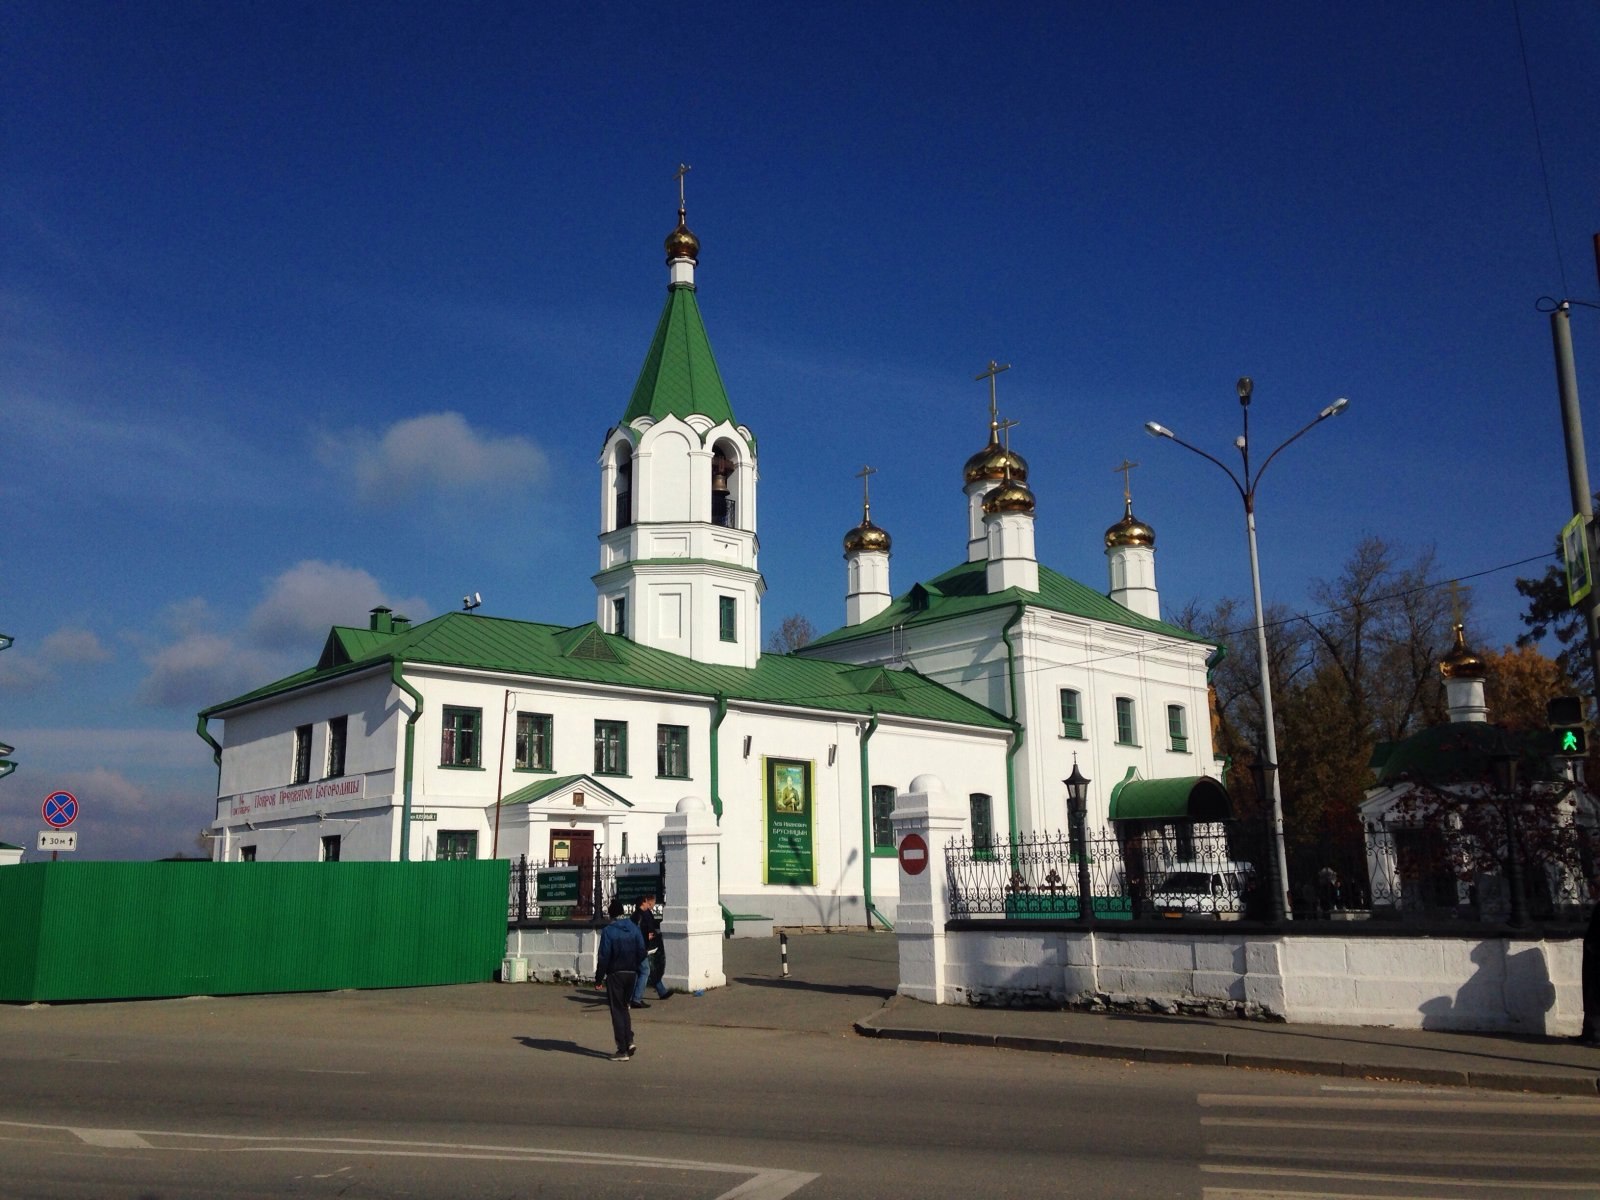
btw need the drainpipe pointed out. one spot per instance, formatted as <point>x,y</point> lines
<point>216,750</point>
<point>716,804</point>
<point>1018,734</point>
<point>411,743</point>
<point>866,827</point>
<point>216,756</point>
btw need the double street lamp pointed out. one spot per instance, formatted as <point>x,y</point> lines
<point>1247,493</point>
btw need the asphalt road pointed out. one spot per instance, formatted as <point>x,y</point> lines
<point>757,1092</point>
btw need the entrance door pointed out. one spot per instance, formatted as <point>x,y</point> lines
<point>575,847</point>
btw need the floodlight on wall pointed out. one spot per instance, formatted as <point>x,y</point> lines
<point>833,752</point>
<point>747,745</point>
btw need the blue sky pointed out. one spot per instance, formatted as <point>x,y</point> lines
<point>308,307</point>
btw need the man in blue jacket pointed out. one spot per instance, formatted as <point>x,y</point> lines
<point>616,967</point>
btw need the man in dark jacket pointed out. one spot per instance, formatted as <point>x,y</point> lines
<point>616,967</point>
<point>644,916</point>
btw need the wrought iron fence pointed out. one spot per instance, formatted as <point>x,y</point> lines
<point>1436,871</point>
<point>542,892</point>
<point>1213,870</point>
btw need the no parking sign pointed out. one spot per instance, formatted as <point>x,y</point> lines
<point>60,809</point>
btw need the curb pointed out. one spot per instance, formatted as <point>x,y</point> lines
<point>1502,1081</point>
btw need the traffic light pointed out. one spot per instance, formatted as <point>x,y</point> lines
<point>1569,737</point>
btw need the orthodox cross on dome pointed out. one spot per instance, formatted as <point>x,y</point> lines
<point>866,504</point>
<point>1126,469</point>
<point>994,409</point>
<point>1003,429</point>
<point>683,169</point>
<point>1457,592</point>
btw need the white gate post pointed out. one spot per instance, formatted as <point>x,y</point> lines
<point>927,811</point>
<point>691,928</point>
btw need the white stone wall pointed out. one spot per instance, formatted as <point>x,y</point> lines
<point>1490,984</point>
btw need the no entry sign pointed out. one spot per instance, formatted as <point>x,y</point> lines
<point>60,809</point>
<point>913,854</point>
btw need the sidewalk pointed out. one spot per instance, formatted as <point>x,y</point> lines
<point>856,973</point>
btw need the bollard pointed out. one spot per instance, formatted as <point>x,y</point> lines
<point>783,951</point>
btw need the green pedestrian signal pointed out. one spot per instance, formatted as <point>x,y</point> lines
<point>1571,743</point>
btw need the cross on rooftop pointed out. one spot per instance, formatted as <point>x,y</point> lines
<point>1457,592</point>
<point>864,474</point>
<point>1126,469</point>
<point>683,169</point>
<point>994,369</point>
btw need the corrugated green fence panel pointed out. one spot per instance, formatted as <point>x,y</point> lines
<point>96,931</point>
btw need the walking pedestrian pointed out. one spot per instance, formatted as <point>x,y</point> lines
<point>644,916</point>
<point>616,967</point>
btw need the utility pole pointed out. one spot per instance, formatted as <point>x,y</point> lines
<point>1577,460</point>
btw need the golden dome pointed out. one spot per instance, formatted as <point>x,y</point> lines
<point>1462,663</point>
<point>1011,496</point>
<point>995,461</point>
<point>1130,531</point>
<point>681,243</point>
<point>866,537</point>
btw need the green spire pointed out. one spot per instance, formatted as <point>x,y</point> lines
<point>680,374</point>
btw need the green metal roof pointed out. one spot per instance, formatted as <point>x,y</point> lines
<point>1461,752</point>
<point>9,846</point>
<point>584,654</point>
<point>680,374</point>
<point>1186,798</point>
<point>538,790</point>
<point>964,589</point>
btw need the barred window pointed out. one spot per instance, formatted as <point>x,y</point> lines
<point>338,730</point>
<point>882,817</point>
<point>301,771</point>
<point>610,747</point>
<point>533,741</point>
<point>982,806</point>
<point>672,751</point>
<point>459,747</point>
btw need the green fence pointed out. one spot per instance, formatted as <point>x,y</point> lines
<point>104,931</point>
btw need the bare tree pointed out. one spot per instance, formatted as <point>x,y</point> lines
<point>792,633</point>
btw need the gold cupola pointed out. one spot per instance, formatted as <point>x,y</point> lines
<point>995,461</point>
<point>1130,531</point>
<point>867,537</point>
<point>1462,663</point>
<point>681,243</point>
<point>1011,496</point>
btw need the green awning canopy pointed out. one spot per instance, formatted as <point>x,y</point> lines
<point>1189,798</point>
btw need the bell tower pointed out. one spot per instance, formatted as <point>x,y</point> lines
<point>678,494</point>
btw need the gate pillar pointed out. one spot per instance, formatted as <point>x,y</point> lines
<point>691,928</point>
<point>928,812</point>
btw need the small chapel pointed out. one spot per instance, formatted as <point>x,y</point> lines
<point>471,736</point>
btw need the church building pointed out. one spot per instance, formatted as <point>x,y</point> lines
<point>475,736</point>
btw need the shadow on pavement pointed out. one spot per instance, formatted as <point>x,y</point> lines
<point>551,1044</point>
<point>795,985</point>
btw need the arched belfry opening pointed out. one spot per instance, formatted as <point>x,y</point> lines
<point>622,495</point>
<point>726,483</point>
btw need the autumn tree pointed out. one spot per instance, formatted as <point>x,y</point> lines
<point>1519,686</point>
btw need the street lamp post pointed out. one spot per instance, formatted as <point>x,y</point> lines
<point>1078,831</point>
<point>1247,493</point>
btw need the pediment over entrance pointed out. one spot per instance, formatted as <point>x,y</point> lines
<point>576,792</point>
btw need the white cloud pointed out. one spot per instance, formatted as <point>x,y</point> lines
<point>69,645</point>
<point>175,748</point>
<point>28,673</point>
<point>310,596</point>
<point>203,665</point>
<point>201,669</point>
<point>436,452</point>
